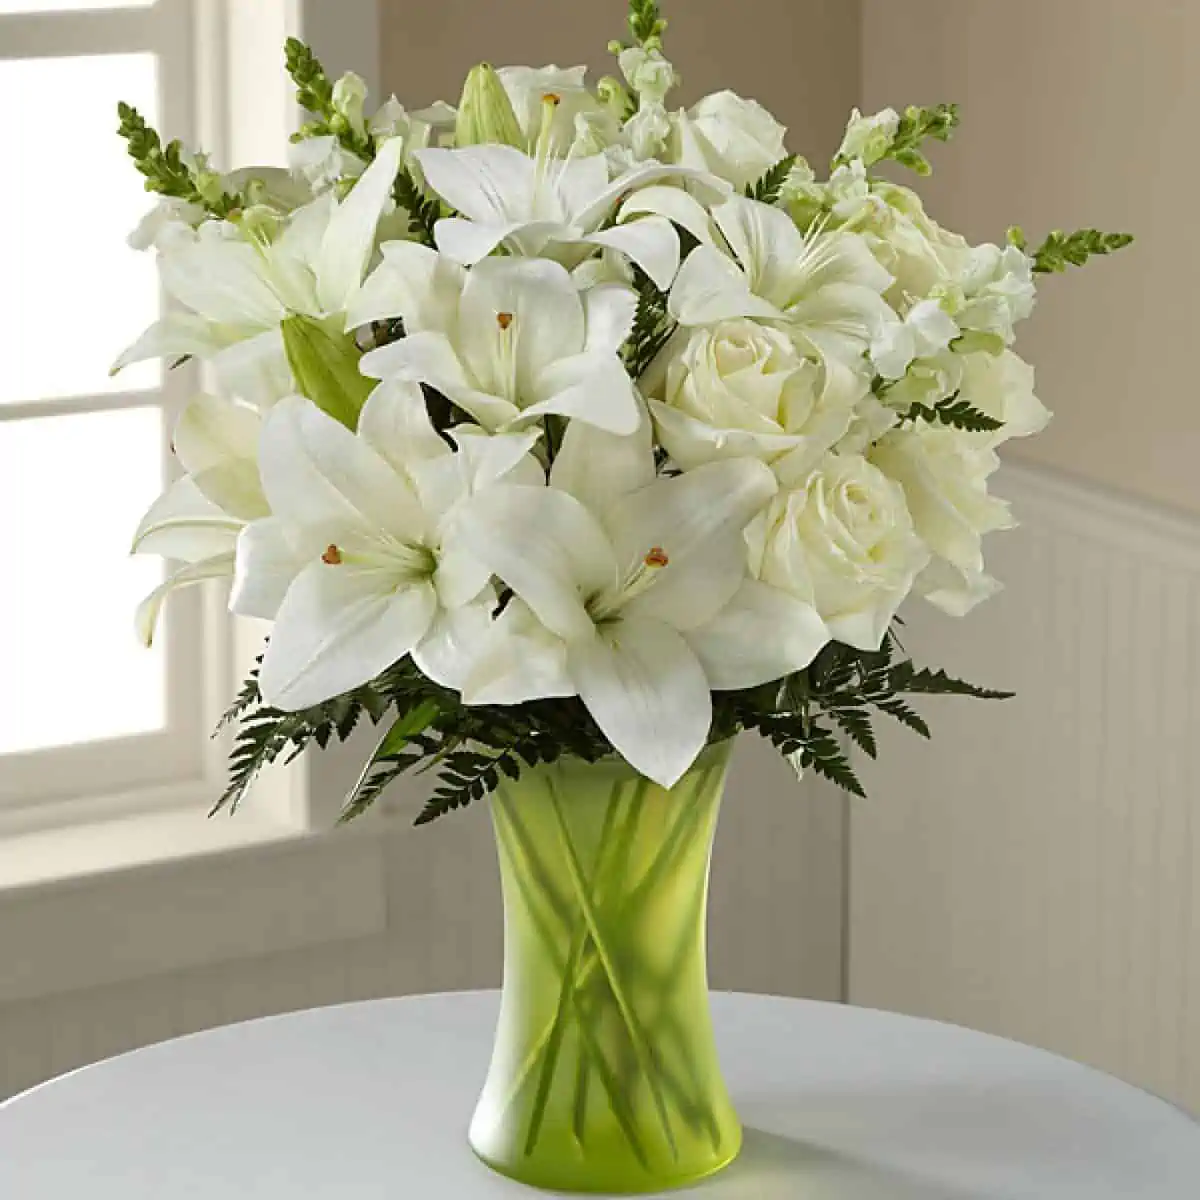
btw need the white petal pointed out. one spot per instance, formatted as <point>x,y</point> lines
<point>761,235</point>
<point>546,546</point>
<point>691,443</point>
<point>647,692</point>
<point>218,567</point>
<point>185,524</point>
<point>267,565</point>
<point>684,515</point>
<point>711,288</point>
<point>651,242</point>
<point>336,630</point>
<point>395,421</point>
<point>470,242</point>
<point>489,184</point>
<point>177,335</point>
<point>448,652</point>
<point>350,238</point>
<point>214,429</point>
<point>598,468</point>
<point>412,282</point>
<point>224,280</point>
<point>762,634</point>
<point>609,309</point>
<point>676,205</point>
<point>432,358</point>
<point>593,387</point>
<point>234,486</point>
<point>256,369</point>
<point>519,660</point>
<point>320,476</point>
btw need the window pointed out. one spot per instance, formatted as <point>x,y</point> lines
<point>84,709</point>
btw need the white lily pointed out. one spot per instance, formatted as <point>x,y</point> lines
<point>350,565</point>
<point>198,519</point>
<point>237,283</point>
<point>552,207</point>
<point>827,287</point>
<point>508,341</point>
<point>631,592</point>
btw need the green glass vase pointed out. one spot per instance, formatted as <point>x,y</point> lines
<point>604,1076</point>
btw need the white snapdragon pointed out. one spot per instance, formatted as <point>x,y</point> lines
<point>649,75</point>
<point>992,290</point>
<point>927,329</point>
<point>869,138</point>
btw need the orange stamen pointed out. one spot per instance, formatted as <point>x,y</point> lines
<point>332,556</point>
<point>657,558</point>
<point>504,320</point>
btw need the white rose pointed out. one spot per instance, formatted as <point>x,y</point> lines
<point>869,138</point>
<point>944,473</point>
<point>527,89</point>
<point>647,72</point>
<point>844,543</point>
<point>733,138</point>
<point>738,389</point>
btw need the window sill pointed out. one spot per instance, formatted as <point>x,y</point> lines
<point>141,895</point>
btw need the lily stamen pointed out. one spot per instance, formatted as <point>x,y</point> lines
<point>332,556</point>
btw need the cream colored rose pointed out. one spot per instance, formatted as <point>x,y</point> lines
<point>843,542</point>
<point>733,138</point>
<point>741,390</point>
<point>944,473</point>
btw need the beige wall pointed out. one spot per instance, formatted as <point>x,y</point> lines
<point>798,57</point>
<point>1076,112</point>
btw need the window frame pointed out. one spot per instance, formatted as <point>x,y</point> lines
<point>213,91</point>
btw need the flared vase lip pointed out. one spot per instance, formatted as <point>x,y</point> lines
<point>715,754</point>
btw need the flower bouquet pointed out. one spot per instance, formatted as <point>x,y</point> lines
<point>567,436</point>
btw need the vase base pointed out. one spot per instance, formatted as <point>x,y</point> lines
<point>573,1180</point>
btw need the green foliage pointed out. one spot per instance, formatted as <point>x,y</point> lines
<point>646,22</point>
<point>424,211</point>
<point>1062,250</point>
<point>165,170</point>
<point>955,412</point>
<point>769,187</point>
<point>918,125</point>
<point>652,326</point>
<point>842,687</point>
<point>314,94</point>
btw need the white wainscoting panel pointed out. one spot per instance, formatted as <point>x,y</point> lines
<point>1035,871</point>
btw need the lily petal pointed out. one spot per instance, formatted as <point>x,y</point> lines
<point>349,239</point>
<point>673,203</point>
<point>185,524</point>
<point>336,629</point>
<point>599,468</point>
<point>214,429</point>
<point>395,421</point>
<point>711,288</point>
<point>177,335</point>
<point>762,634</point>
<point>651,242</point>
<point>267,565</point>
<point>413,282</point>
<point>520,660</point>
<point>609,311</point>
<point>255,369</point>
<point>448,652</point>
<point>647,692</point>
<point>592,387</point>
<point>546,546</point>
<point>218,567</point>
<point>319,476</point>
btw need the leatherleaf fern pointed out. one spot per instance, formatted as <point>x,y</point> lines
<point>813,717</point>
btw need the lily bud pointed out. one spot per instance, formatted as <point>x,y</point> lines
<point>324,362</point>
<point>485,113</point>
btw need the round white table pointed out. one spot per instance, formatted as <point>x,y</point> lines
<point>371,1102</point>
